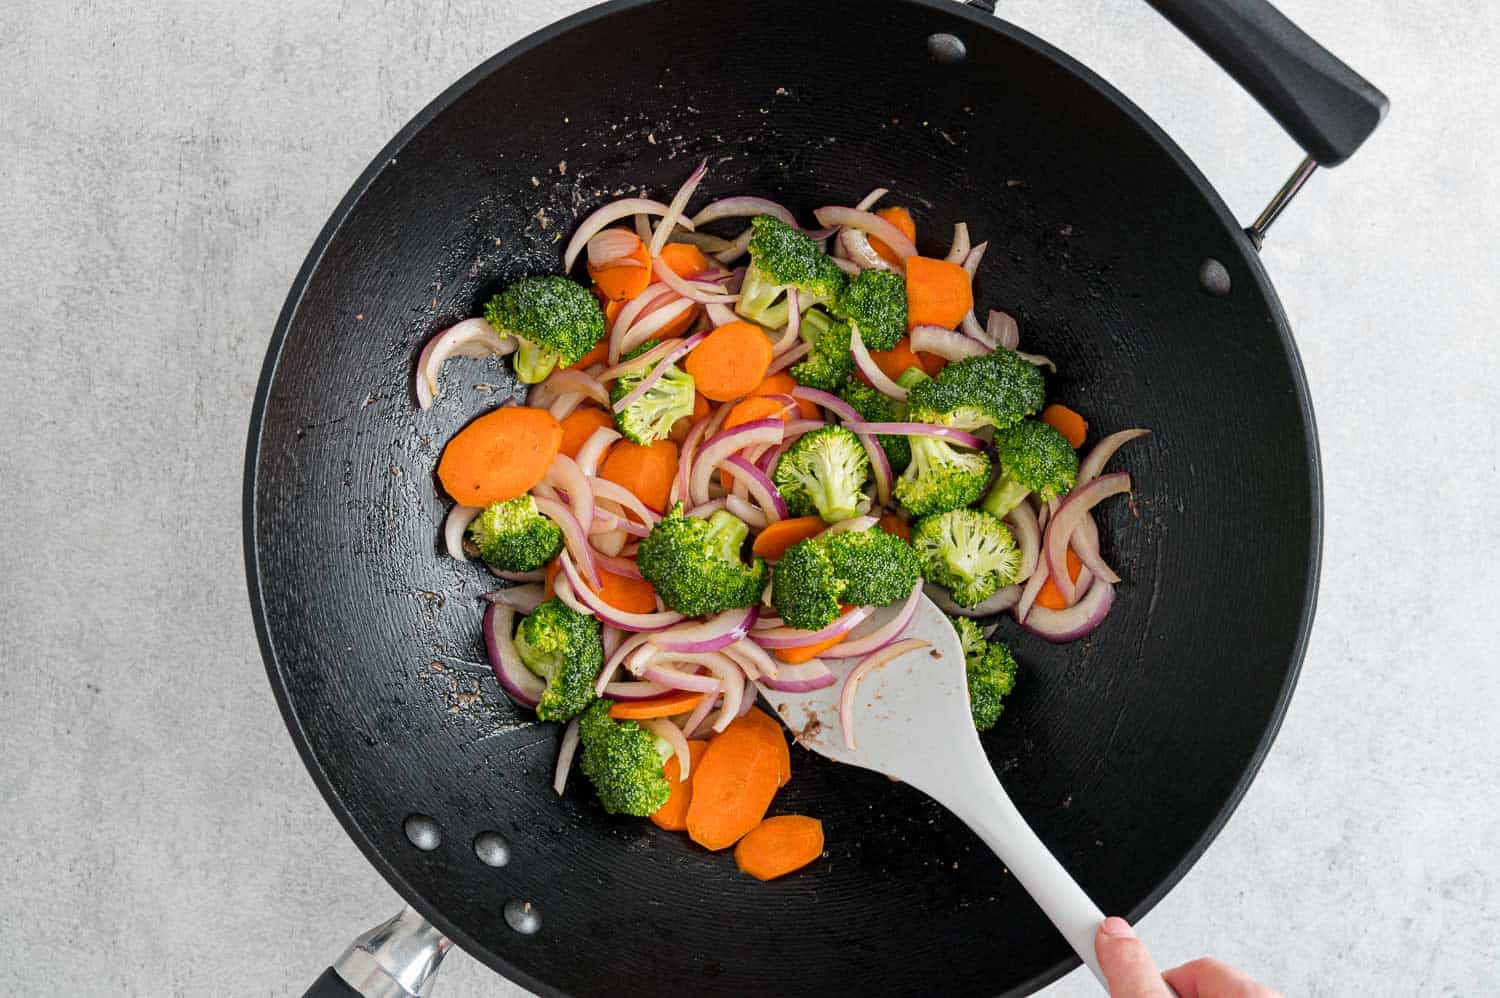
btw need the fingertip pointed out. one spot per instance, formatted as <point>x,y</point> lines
<point>1117,928</point>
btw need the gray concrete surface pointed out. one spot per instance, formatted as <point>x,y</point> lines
<point>164,166</point>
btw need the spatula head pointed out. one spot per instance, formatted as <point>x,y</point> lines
<point>911,716</point>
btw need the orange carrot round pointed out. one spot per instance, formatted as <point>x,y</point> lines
<point>621,281</point>
<point>685,259</point>
<point>549,589</point>
<point>676,702</point>
<point>624,592</point>
<point>901,219</point>
<point>894,362</point>
<point>580,424</point>
<point>938,293</point>
<point>500,455</point>
<point>673,814</point>
<point>734,783</point>
<point>598,355</point>
<point>806,653</point>
<point>1049,595</point>
<point>646,471</point>
<point>772,542</point>
<point>893,524</point>
<point>777,736</point>
<point>1067,422</point>
<point>779,845</point>
<point>782,383</point>
<point>730,361</point>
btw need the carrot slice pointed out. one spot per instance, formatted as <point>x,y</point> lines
<point>730,361</point>
<point>938,293</point>
<point>1067,422</point>
<point>894,362</point>
<point>626,593</point>
<point>772,542</point>
<point>782,383</point>
<point>1050,596</point>
<point>734,784</point>
<point>646,471</point>
<point>580,424</point>
<point>549,589</point>
<point>685,259</point>
<point>901,219</point>
<point>676,702</point>
<point>673,814</point>
<point>500,455</point>
<point>806,653</point>
<point>893,524</point>
<point>779,845</point>
<point>600,352</point>
<point>620,281</point>
<point>612,310</point>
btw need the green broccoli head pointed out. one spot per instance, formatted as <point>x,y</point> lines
<point>875,304</point>
<point>1034,457</point>
<point>996,389</point>
<point>650,417</point>
<point>830,363</point>
<point>555,319</point>
<point>991,671</point>
<point>968,551</point>
<point>695,563</point>
<point>805,588</point>
<point>877,407</point>
<point>877,567</point>
<point>824,470</point>
<point>623,761</point>
<point>782,258</point>
<point>941,476</point>
<point>513,537</point>
<point>563,647</point>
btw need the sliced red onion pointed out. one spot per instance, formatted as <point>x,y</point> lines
<point>847,266</point>
<point>793,333</point>
<point>1001,330</point>
<point>858,251</point>
<point>522,599</point>
<point>654,323</point>
<point>704,294</point>
<point>611,638</point>
<point>562,407</point>
<point>575,538</point>
<point>472,338</point>
<point>877,639</point>
<point>657,372</point>
<point>616,493</point>
<point>614,659</point>
<point>633,689</point>
<point>720,446</point>
<point>694,721</point>
<point>607,543</point>
<point>673,215</point>
<point>971,327</point>
<point>791,637</point>
<point>454,525</point>
<point>727,676</point>
<point>1069,515</point>
<point>853,523</point>
<point>1085,544</point>
<point>753,517</point>
<point>1077,621</point>
<point>702,240</point>
<point>1028,534</point>
<point>789,357</point>
<point>673,736</point>
<point>710,635</point>
<point>865,221</point>
<point>706,509</point>
<point>675,679</point>
<point>1037,360</point>
<point>1090,466</point>
<point>523,686</point>
<point>612,615</point>
<point>761,487</point>
<point>628,314</point>
<point>868,201</point>
<point>643,229</point>
<point>685,459</point>
<point>802,677</point>
<point>1002,600</point>
<point>636,364</point>
<point>851,682</point>
<point>592,451</point>
<point>959,437</point>
<point>611,212</point>
<point>871,370</point>
<point>563,473</point>
<point>565,752</point>
<point>959,251</point>
<point>720,315</point>
<point>568,380</point>
<point>611,246</point>
<point>615,565</point>
<point>535,576</point>
<point>946,343</point>
<point>737,249</point>
<point>742,207</point>
<point>752,658</point>
<point>971,261</point>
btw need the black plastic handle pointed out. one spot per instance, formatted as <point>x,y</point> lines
<point>330,985</point>
<point>1322,103</point>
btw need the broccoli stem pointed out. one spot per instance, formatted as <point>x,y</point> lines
<point>1004,497</point>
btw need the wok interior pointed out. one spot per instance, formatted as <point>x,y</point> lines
<point>1122,750</point>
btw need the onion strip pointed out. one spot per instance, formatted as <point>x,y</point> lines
<point>851,682</point>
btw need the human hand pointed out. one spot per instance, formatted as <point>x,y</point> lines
<point>1132,973</point>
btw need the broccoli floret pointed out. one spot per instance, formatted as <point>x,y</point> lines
<point>782,258</point>
<point>830,363</point>
<point>823,471</point>
<point>968,551</point>
<point>562,646</point>
<point>996,389</point>
<point>513,537</point>
<point>991,671</point>
<point>877,567</point>
<point>941,476</point>
<point>695,563</point>
<point>555,319</point>
<point>1034,457</point>
<point>805,588</point>
<point>911,377</point>
<point>875,304</point>
<point>650,417</point>
<point>876,407</point>
<point>623,761</point>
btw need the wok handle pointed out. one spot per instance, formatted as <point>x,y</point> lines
<point>399,958</point>
<point>1328,108</point>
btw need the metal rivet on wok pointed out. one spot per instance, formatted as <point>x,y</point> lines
<point>423,832</point>
<point>523,916</point>
<point>492,849</point>
<point>945,48</point>
<point>1213,277</point>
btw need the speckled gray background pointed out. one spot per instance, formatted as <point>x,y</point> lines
<point>164,166</point>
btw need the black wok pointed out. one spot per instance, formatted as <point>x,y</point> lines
<point>1127,751</point>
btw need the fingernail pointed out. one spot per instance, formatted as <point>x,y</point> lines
<point>1116,926</point>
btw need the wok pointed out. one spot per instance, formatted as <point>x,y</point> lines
<point>1127,752</point>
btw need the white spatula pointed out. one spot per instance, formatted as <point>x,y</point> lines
<point>911,721</point>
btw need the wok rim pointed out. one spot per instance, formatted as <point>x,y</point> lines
<point>1248,257</point>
